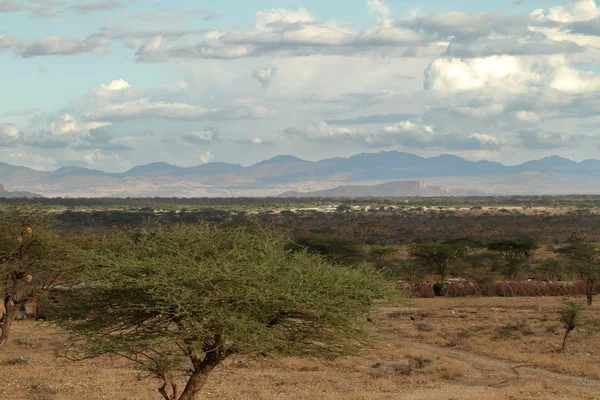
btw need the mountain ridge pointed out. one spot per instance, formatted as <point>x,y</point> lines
<point>283,173</point>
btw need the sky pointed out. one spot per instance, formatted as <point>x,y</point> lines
<point>111,84</point>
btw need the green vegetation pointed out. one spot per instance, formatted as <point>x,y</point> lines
<point>180,300</point>
<point>585,262</point>
<point>335,249</point>
<point>440,257</point>
<point>569,317</point>
<point>515,252</point>
<point>32,257</point>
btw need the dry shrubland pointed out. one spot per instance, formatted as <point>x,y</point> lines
<point>452,348</point>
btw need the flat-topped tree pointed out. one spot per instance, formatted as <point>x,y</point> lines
<point>180,300</point>
<point>514,251</point>
<point>584,260</point>
<point>441,257</point>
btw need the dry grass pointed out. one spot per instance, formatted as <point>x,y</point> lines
<point>454,349</point>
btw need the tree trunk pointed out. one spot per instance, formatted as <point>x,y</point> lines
<point>196,382</point>
<point>589,289</point>
<point>9,317</point>
<point>564,343</point>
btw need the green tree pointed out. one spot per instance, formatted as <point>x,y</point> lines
<point>584,261</point>
<point>569,317</point>
<point>440,257</point>
<point>551,269</point>
<point>514,251</point>
<point>180,300</point>
<point>32,258</point>
<point>336,249</point>
<point>385,259</point>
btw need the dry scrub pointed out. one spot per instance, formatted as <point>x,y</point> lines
<point>455,348</point>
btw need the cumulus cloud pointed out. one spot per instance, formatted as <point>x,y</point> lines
<point>539,139</point>
<point>265,75</point>
<point>205,136</point>
<point>450,75</point>
<point>380,11</point>
<point>527,117</point>
<point>205,157</point>
<point>45,140</point>
<point>69,123</point>
<point>53,46</point>
<point>256,141</point>
<point>405,134</point>
<point>290,33</point>
<point>508,73</point>
<point>98,139</point>
<point>582,10</point>
<point>145,108</point>
<point>9,135</point>
<point>86,7</point>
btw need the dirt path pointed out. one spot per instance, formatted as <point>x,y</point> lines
<point>492,373</point>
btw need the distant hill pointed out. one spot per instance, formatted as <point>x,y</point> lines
<point>6,194</point>
<point>390,189</point>
<point>284,173</point>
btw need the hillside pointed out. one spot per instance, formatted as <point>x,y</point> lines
<point>6,194</point>
<point>550,175</point>
<point>390,189</point>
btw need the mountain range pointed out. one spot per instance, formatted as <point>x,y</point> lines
<point>19,195</point>
<point>550,175</point>
<point>390,189</point>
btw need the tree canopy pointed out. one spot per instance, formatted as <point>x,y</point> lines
<point>336,249</point>
<point>180,300</point>
<point>440,257</point>
<point>33,257</point>
<point>514,251</point>
<point>584,261</point>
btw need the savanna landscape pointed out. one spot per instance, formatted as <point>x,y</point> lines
<point>508,319</point>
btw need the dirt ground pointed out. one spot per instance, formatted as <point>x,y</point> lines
<point>442,349</point>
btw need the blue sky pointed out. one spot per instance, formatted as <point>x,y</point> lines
<point>110,84</point>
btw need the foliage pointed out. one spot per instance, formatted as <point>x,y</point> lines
<point>585,262</point>
<point>179,300</point>
<point>569,317</point>
<point>514,251</point>
<point>33,257</point>
<point>441,258</point>
<point>335,249</point>
<point>551,269</point>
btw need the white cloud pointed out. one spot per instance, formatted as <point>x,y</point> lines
<point>507,72</point>
<point>117,84</point>
<point>204,136</point>
<point>9,135</point>
<point>405,134</point>
<point>527,117</point>
<point>266,20</point>
<point>380,11</point>
<point>582,10</point>
<point>205,157</point>
<point>69,123</point>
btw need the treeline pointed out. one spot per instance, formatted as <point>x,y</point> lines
<point>479,264</point>
<point>488,201</point>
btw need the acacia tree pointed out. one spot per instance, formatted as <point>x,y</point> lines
<point>514,251</point>
<point>585,262</point>
<point>32,258</point>
<point>442,257</point>
<point>179,300</point>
